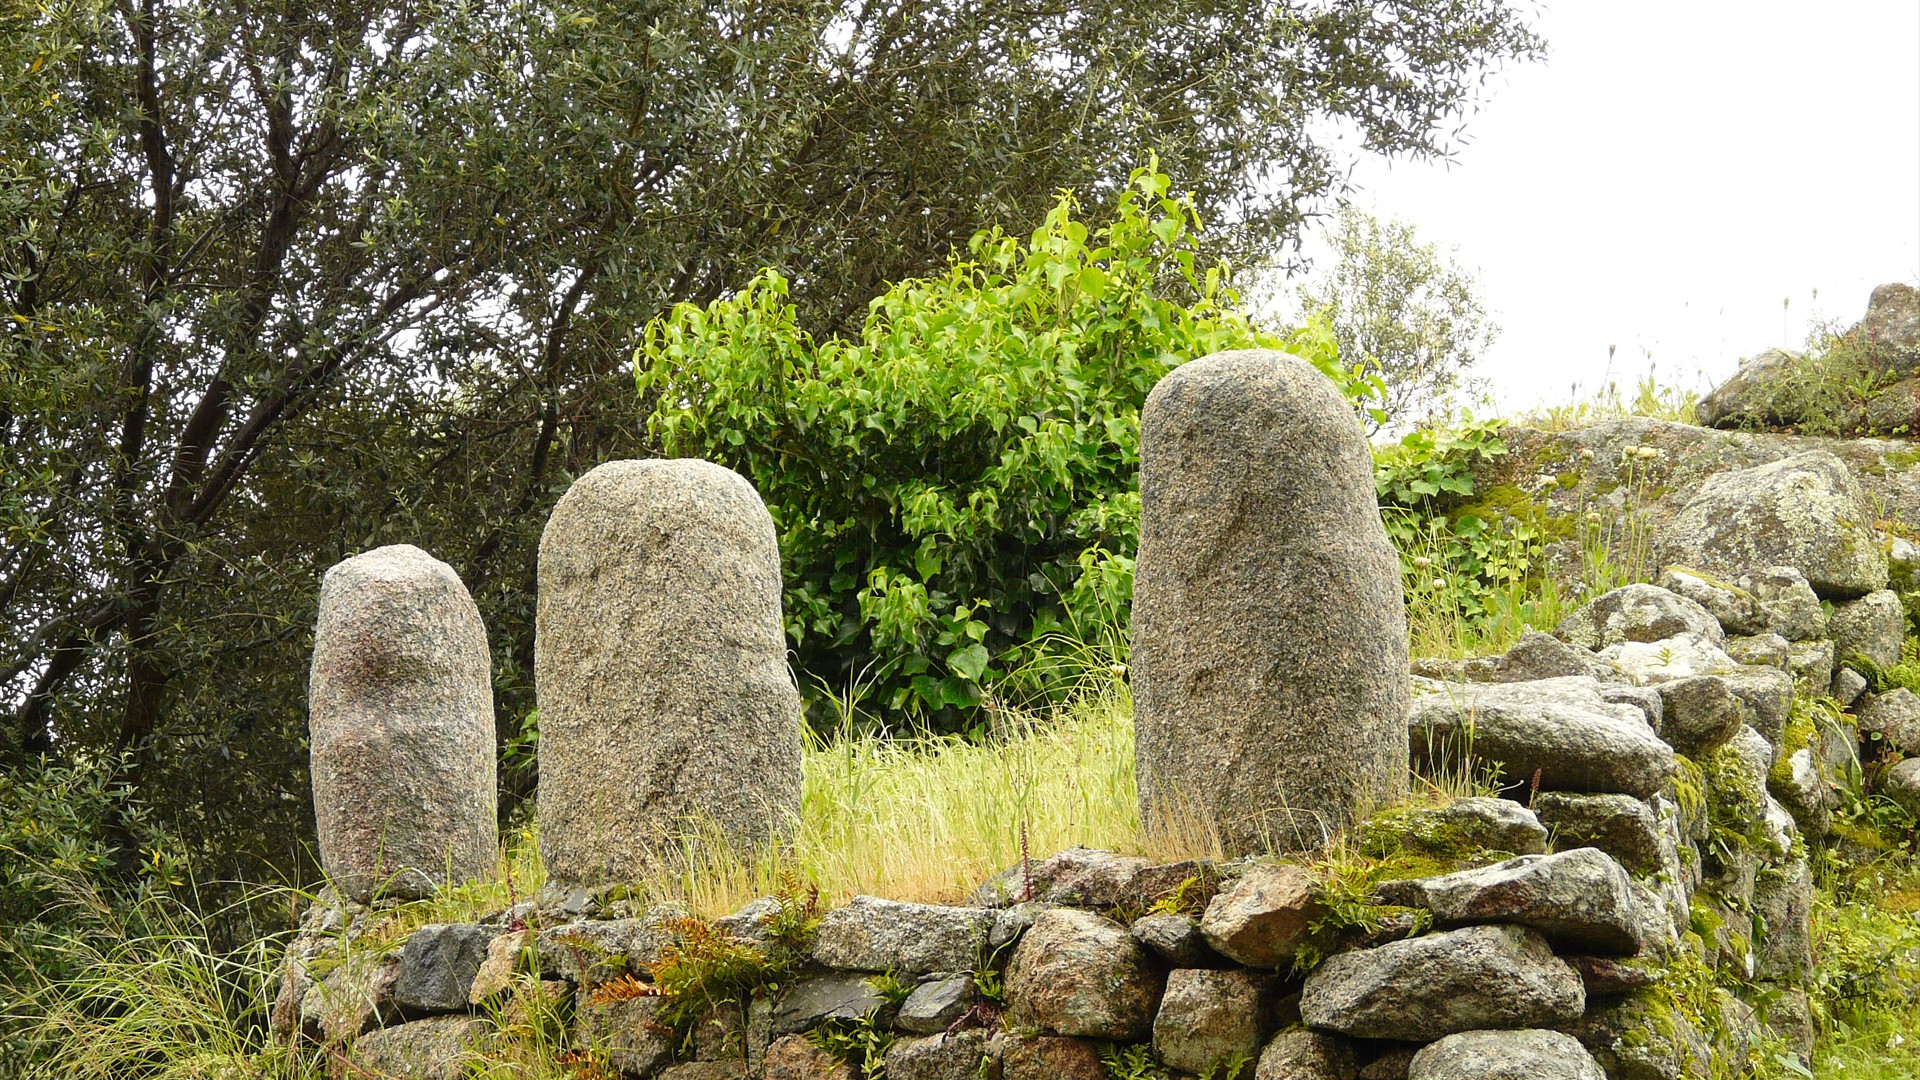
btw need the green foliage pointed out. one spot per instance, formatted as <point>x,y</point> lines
<point>862,1043</point>
<point>956,484</point>
<point>1131,1061</point>
<point>1467,565</point>
<point>61,873</point>
<point>1400,307</point>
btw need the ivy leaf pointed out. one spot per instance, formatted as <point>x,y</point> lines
<point>968,662</point>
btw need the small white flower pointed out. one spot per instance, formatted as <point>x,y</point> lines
<point>1422,562</point>
<point>1648,453</point>
<point>1586,453</point>
<point>1439,583</point>
<point>1117,669</point>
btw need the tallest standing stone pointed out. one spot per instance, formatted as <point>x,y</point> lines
<point>1270,637</point>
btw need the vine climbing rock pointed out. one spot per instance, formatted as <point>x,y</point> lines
<point>667,714</point>
<point>1270,637</point>
<point>401,724</point>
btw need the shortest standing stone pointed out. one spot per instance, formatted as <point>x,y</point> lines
<point>1261,917</point>
<point>1529,1054</point>
<point>792,1057</point>
<point>1299,1054</point>
<point>1208,1020</point>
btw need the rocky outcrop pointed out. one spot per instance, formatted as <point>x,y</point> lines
<point>1805,511</point>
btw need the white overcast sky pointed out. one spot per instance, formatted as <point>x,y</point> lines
<point>1671,173</point>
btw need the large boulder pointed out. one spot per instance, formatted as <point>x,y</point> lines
<point>1637,613</point>
<point>1268,620</point>
<point>1077,973</point>
<point>1750,397</point>
<point>1805,511</point>
<point>1580,899</point>
<point>1561,728</point>
<point>1425,988</point>
<point>667,712</point>
<point>1526,1054</point>
<point>400,714</point>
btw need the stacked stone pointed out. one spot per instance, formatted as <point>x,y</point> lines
<point>1540,963</point>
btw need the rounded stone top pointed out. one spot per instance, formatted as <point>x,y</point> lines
<point>394,562</point>
<point>1284,380</point>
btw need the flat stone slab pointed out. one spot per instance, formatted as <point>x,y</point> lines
<point>872,934</point>
<point>1579,898</point>
<point>1563,728</point>
<point>1426,988</point>
<point>1527,1054</point>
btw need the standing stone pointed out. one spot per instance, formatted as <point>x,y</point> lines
<point>400,713</point>
<point>1270,635</point>
<point>666,708</point>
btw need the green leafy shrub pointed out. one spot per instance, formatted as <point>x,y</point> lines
<point>957,485</point>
